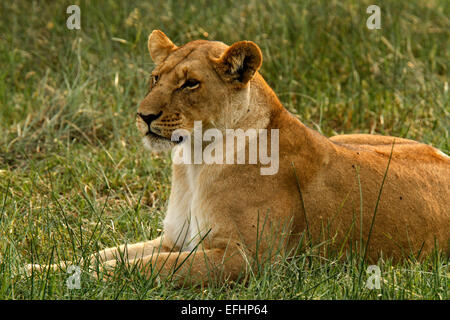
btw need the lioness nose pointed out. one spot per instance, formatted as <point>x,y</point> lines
<point>148,118</point>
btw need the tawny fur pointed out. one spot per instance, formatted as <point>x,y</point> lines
<point>238,213</point>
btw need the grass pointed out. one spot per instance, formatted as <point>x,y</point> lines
<point>74,177</point>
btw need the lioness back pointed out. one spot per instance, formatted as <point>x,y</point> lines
<point>383,145</point>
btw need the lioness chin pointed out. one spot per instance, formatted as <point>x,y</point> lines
<point>222,217</point>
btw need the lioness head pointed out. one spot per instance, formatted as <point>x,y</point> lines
<point>202,80</point>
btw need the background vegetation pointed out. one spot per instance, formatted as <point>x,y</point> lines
<point>75,178</point>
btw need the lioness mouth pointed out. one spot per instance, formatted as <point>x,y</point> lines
<point>177,139</point>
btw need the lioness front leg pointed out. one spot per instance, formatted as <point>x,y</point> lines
<point>131,251</point>
<point>125,252</point>
<point>200,267</point>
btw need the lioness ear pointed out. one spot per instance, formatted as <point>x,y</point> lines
<point>159,46</point>
<point>240,62</point>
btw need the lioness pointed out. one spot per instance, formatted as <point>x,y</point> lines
<point>221,217</point>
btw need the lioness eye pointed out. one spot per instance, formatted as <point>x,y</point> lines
<point>191,84</point>
<point>155,79</point>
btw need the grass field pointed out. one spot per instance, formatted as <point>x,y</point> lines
<point>74,177</point>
